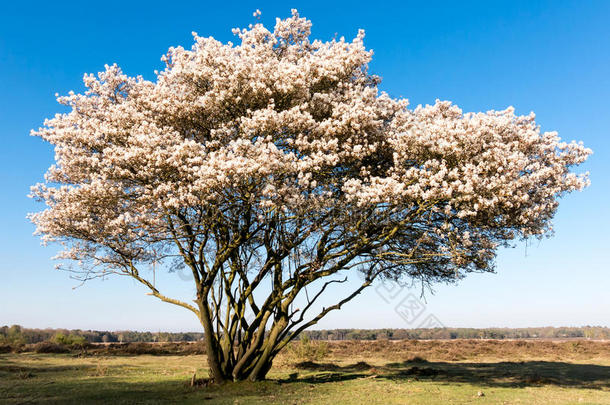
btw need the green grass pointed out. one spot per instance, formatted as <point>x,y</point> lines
<point>363,378</point>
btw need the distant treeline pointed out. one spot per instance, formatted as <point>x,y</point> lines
<point>18,335</point>
<point>587,332</point>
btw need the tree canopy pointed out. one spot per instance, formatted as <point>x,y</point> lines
<point>278,161</point>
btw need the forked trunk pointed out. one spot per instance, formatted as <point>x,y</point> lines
<point>221,372</point>
<point>252,365</point>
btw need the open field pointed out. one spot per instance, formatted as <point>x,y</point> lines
<point>381,372</point>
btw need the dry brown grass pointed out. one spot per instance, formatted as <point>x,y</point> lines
<point>459,350</point>
<point>400,350</point>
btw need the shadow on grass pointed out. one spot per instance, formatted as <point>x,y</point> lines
<point>329,372</point>
<point>311,366</point>
<point>500,374</point>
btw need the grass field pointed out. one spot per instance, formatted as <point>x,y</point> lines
<point>407,372</point>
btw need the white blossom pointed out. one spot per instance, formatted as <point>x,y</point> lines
<point>291,125</point>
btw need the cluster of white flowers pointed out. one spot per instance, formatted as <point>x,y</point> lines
<point>296,126</point>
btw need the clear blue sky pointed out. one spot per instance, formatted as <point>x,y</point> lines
<point>551,57</point>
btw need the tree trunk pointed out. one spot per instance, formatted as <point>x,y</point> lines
<point>211,348</point>
<point>263,364</point>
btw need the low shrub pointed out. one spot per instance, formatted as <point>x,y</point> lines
<point>49,347</point>
<point>416,359</point>
<point>306,350</point>
<point>192,348</point>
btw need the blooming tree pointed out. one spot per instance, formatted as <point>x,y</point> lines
<point>277,164</point>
